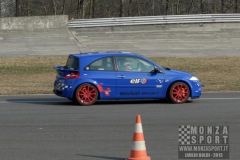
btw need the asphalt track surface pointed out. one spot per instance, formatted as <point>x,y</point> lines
<point>46,127</point>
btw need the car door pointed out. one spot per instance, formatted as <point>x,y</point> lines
<point>102,73</point>
<point>135,79</point>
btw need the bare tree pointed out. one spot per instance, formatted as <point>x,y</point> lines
<point>22,8</point>
<point>80,9</point>
<point>54,7</point>
<point>120,8</point>
<point>190,7</point>
<point>17,8</point>
<point>167,6</point>
<point>201,6</point>
<point>236,6</point>
<point>222,6</point>
<point>63,7</point>
<point>153,7</point>
<point>91,9</point>
<point>129,7</point>
<point>0,8</point>
<point>115,8</point>
<point>45,7</point>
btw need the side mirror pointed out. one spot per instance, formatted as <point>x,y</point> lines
<point>156,70</point>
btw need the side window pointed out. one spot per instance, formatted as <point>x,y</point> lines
<point>104,64</point>
<point>132,64</point>
<point>144,66</point>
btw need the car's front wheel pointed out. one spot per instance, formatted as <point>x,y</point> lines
<point>86,94</point>
<point>179,92</point>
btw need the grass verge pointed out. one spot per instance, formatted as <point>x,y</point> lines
<point>35,75</point>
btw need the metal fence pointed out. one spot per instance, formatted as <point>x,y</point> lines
<point>150,20</point>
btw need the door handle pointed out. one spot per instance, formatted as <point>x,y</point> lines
<point>122,76</point>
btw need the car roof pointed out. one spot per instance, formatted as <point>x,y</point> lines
<point>103,54</point>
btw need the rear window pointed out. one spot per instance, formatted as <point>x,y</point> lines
<point>72,63</point>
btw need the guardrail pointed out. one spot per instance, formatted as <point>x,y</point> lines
<point>149,20</point>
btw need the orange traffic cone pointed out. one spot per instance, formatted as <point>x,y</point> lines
<point>138,151</point>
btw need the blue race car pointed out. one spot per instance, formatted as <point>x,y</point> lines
<point>88,77</point>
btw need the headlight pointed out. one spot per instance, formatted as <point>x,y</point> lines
<point>193,78</point>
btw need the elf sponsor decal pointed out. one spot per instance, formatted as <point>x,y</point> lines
<point>138,80</point>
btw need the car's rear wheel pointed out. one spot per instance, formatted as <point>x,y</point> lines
<point>179,92</point>
<point>86,94</point>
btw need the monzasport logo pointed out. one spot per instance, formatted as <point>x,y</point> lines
<point>203,142</point>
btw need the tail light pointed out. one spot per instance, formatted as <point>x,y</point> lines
<point>72,75</point>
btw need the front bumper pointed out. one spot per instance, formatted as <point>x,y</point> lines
<point>196,89</point>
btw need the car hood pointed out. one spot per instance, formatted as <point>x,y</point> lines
<point>177,72</point>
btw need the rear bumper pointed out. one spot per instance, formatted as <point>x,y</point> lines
<point>62,89</point>
<point>64,93</point>
<point>58,93</point>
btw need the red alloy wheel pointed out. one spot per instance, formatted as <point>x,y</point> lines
<point>179,92</point>
<point>86,94</point>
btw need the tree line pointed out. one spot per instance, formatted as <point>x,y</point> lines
<point>115,8</point>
